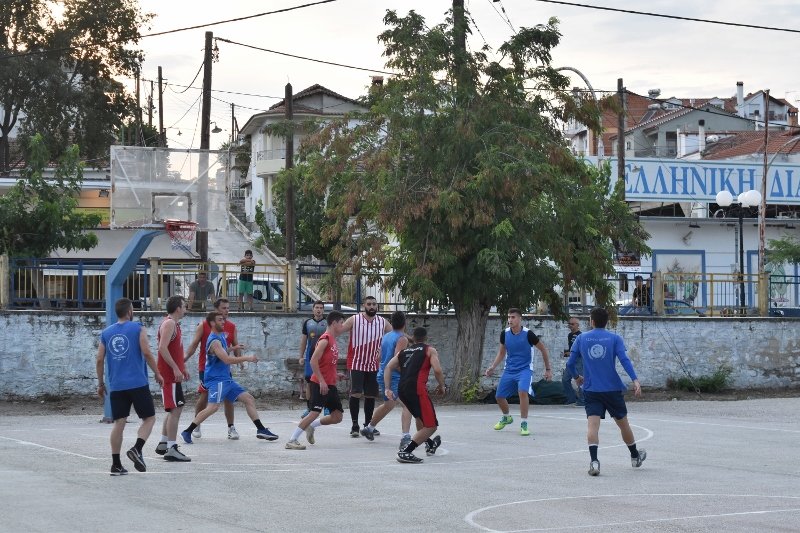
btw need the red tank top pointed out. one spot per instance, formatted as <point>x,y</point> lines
<point>175,348</point>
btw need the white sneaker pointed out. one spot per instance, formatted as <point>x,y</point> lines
<point>295,445</point>
<point>310,434</point>
<point>636,462</point>
<point>232,433</point>
<point>197,433</point>
<point>594,468</point>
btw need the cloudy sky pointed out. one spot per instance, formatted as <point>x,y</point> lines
<point>682,58</point>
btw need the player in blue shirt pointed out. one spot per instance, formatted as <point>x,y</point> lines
<point>518,342</point>
<point>602,386</point>
<point>126,348</point>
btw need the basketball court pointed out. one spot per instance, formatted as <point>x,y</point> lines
<point>711,466</point>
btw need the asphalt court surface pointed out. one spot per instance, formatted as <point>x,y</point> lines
<point>711,466</point>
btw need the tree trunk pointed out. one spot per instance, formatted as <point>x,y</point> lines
<point>5,155</point>
<point>471,332</point>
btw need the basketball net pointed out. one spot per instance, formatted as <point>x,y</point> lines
<point>181,233</point>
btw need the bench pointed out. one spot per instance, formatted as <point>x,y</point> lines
<point>298,374</point>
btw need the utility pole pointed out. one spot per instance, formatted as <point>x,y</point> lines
<point>460,44</point>
<point>162,137</point>
<point>621,139</point>
<point>233,125</point>
<point>205,142</point>
<point>150,106</point>
<point>762,209</point>
<point>289,106</point>
<point>138,108</point>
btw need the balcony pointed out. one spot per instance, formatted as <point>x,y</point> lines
<point>270,161</point>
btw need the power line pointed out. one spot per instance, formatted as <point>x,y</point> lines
<point>674,17</point>
<point>190,86</point>
<point>502,17</point>
<point>167,32</point>
<point>305,58</point>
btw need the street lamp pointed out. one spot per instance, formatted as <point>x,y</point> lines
<point>600,151</point>
<point>745,200</point>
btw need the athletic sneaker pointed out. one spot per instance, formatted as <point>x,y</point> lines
<point>232,433</point>
<point>407,457</point>
<point>523,429</point>
<point>161,449</point>
<point>305,413</point>
<point>368,433</point>
<point>197,433</point>
<point>118,470</point>
<point>504,421</point>
<point>375,432</point>
<point>354,431</point>
<point>187,437</point>
<point>266,434</point>
<point>175,455</point>
<point>431,450</point>
<point>295,445</point>
<point>636,462</point>
<point>594,468</point>
<point>138,461</point>
<point>405,441</point>
<point>310,435</point>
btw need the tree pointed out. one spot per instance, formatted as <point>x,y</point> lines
<point>784,250</point>
<point>37,215</point>
<point>462,160</point>
<point>58,72</point>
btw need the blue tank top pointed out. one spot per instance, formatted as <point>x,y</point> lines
<point>388,344</point>
<point>127,368</point>
<point>519,348</point>
<point>216,368</point>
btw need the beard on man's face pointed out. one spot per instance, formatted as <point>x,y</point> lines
<point>371,311</point>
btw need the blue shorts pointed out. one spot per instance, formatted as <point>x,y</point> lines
<point>395,385</point>
<point>227,389</point>
<point>512,383</point>
<point>597,403</point>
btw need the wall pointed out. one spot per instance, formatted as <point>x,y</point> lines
<point>50,353</point>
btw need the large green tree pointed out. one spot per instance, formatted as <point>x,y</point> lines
<point>38,215</point>
<point>462,160</point>
<point>58,63</point>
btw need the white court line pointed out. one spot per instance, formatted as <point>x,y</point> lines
<point>715,424</point>
<point>28,443</point>
<point>470,518</point>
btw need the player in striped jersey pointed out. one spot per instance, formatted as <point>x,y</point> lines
<point>363,360</point>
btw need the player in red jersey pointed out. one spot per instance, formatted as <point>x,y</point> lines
<point>201,334</point>
<point>173,370</point>
<point>323,384</point>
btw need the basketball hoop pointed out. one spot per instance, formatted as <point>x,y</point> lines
<point>181,233</point>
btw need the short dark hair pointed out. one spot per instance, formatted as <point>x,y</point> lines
<point>638,278</point>
<point>174,303</point>
<point>398,320</point>
<point>319,302</point>
<point>250,252</point>
<point>122,306</point>
<point>420,334</point>
<point>514,311</point>
<point>370,297</point>
<point>599,317</point>
<point>221,301</point>
<point>212,317</point>
<point>334,316</point>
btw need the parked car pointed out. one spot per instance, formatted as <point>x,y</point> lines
<point>268,295</point>
<point>672,307</point>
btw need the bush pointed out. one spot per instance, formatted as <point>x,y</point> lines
<point>716,382</point>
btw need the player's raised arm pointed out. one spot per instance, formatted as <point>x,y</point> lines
<point>198,336</point>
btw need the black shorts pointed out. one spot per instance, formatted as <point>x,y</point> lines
<point>140,398</point>
<point>330,400</point>
<point>420,406</point>
<point>597,403</point>
<point>362,382</point>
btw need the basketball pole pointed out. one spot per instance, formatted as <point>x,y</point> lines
<point>122,268</point>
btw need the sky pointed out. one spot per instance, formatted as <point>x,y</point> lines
<point>681,58</point>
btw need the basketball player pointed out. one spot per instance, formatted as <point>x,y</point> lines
<point>313,328</point>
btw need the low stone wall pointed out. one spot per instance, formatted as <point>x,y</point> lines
<point>54,353</point>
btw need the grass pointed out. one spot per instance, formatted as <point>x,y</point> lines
<point>716,382</point>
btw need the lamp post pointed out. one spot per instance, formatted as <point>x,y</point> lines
<point>745,200</point>
<point>600,151</point>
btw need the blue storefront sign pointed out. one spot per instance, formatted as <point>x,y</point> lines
<point>672,180</point>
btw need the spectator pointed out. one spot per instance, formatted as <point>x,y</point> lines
<point>201,290</point>
<point>641,294</point>
<point>247,266</point>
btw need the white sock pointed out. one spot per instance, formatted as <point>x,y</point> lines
<point>164,438</point>
<point>297,432</point>
<point>407,435</point>
<point>370,426</point>
<point>316,423</point>
<point>170,443</point>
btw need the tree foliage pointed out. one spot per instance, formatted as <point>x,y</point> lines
<point>57,72</point>
<point>784,250</point>
<point>37,215</point>
<point>463,161</point>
